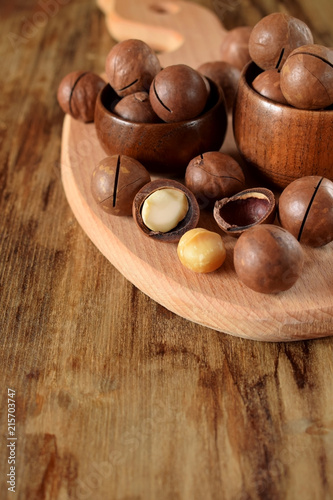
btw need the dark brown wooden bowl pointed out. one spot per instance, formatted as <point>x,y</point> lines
<point>163,148</point>
<point>279,142</point>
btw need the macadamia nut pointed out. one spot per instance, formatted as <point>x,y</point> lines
<point>164,209</point>
<point>306,210</point>
<point>131,66</point>
<point>77,94</point>
<point>268,259</point>
<point>268,85</point>
<point>225,75</point>
<point>177,93</point>
<point>274,37</point>
<point>115,182</point>
<point>235,47</point>
<point>307,77</point>
<point>135,107</point>
<point>212,176</point>
<point>201,251</point>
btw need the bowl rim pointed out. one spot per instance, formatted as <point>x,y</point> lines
<point>220,99</point>
<point>253,67</point>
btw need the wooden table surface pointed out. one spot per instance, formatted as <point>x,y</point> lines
<point>115,397</point>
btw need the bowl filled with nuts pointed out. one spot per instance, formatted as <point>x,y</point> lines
<point>161,117</point>
<point>283,114</point>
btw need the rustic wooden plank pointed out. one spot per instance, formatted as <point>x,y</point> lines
<point>116,397</point>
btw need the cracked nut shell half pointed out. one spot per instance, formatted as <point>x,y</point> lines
<point>190,220</point>
<point>244,210</point>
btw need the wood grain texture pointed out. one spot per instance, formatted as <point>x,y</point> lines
<point>116,397</point>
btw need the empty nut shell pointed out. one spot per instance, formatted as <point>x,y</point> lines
<point>190,220</point>
<point>77,94</point>
<point>115,181</point>
<point>268,259</point>
<point>244,210</point>
<point>306,210</point>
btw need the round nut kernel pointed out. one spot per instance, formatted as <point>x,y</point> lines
<point>189,221</point>
<point>201,251</point>
<point>164,209</point>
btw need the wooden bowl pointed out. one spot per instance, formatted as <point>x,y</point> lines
<point>163,148</point>
<point>279,142</point>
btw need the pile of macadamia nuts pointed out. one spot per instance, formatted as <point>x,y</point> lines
<point>295,70</point>
<point>268,255</point>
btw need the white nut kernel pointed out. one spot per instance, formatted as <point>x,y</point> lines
<point>201,250</point>
<point>164,209</point>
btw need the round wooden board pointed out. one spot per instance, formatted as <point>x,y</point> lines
<point>217,300</point>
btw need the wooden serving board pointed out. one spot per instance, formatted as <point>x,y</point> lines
<point>217,300</point>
